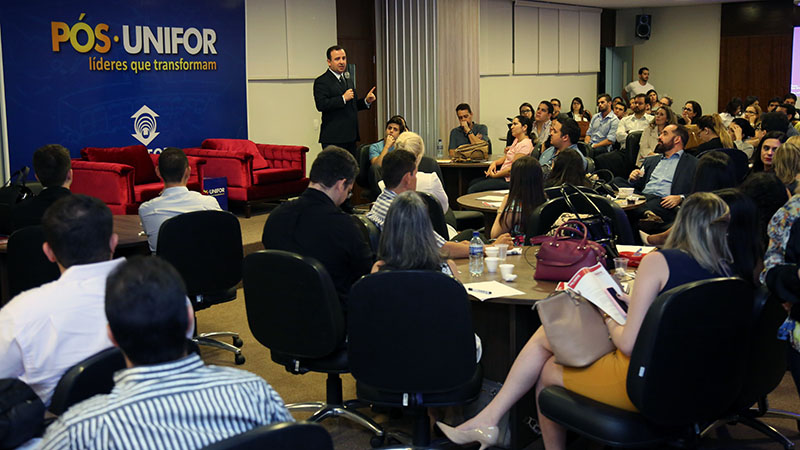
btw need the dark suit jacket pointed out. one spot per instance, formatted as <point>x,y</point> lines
<point>30,211</point>
<point>339,120</point>
<point>682,180</point>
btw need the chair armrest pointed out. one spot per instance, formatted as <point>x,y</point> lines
<point>284,156</point>
<point>198,170</point>
<point>236,166</point>
<point>110,182</point>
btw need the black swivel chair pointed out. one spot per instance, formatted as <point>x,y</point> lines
<point>765,368</point>
<point>371,232</point>
<point>411,343</point>
<point>206,249</point>
<point>368,176</point>
<point>279,436</point>
<point>94,375</point>
<point>544,216</point>
<point>738,160</point>
<point>28,267</point>
<point>686,370</point>
<point>460,220</point>
<point>435,212</point>
<point>631,153</point>
<point>293,309</point>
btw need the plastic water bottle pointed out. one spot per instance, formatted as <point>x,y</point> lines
<point>439,150</point>
<point>475,255</point>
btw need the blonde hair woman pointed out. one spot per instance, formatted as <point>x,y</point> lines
<point>697,249</point>
<point>712,133</point>
<point>786,162</point>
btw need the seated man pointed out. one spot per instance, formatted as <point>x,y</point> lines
<point>602,132</point>
<point>46,330</point>
<point>314,225</point>
<point>53,169</point>
<point>635,122</point>
<point>166,398</point>
<point>468,132</point>
<point>665,179</point>
<point>381,148</point>
<point>400,175</point>
<point>173,168</point>
<point>564,134</point>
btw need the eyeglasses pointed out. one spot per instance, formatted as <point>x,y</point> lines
<point>749,112</point>
<point>687,109</point>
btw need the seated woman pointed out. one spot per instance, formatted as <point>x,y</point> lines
<point>525,109</point>
<point>568,168</point>
<point>742,132</point>
<point>765,151</point>
<point>787,163</point>
<point>769,194</point>
<point>499,171</point>
<point>577,111</point>
<point>526,193</point>
<point>647,143</point>
<point>692,111</point>
<point>696,250</point>
<point>712,134</point>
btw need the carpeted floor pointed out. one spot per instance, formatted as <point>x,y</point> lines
<point>311,387</point>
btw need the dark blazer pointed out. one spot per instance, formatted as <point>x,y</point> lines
<point>339,120</point>
<point>682,180</point>
<point>30,211</point>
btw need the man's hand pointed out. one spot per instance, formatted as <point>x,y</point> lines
<point>348,95</point>
<point>465,126</point>
<point>671,201</point>
<point>636,174</point>
<point>370,96</point>
<point>388,141</point>
<point>479,136</point>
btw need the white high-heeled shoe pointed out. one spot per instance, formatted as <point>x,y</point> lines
<point>486,436</point>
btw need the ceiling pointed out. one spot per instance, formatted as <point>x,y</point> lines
<point>619,4</point>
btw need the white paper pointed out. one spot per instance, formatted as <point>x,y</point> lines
<point>502,191</point>
<point>643,249</point>
<point>491,198</point>
<point>483,290</point>
<point>591,283</point>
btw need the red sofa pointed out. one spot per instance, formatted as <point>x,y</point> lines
<point>124,177</point>
<point>255,172</point>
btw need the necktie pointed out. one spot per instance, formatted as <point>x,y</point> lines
<point>342,82</point>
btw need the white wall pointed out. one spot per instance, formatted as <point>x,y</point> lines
<point>286,43</point>
<point>682,52</point>
<point>507,82</point>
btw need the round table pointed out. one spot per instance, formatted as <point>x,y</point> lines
<point>471,201</point>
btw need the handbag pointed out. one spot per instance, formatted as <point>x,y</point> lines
<point>561,256</point>
<point>597,224</point>
<point>576,331</point>
<point>603,186</point>
<point>471,152</point>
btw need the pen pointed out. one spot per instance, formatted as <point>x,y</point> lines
<point>638,252</point>
<point>480,291</point>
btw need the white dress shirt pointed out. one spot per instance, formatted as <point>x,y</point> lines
<point>46,330</point>
<point>171,202</point>
<point>430,183</point>
<point>629,124</point>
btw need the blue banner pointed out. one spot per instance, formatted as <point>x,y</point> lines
<point>111,73</point>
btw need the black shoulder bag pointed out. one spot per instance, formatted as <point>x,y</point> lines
<point>600,226</point>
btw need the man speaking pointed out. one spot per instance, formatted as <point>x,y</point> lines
<point>337,101</point>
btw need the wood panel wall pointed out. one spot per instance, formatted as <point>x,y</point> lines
<point>755,50</point>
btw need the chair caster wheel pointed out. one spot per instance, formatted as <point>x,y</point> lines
<point>237,342</point>
<point>376,441</point>
<point>239,360</point>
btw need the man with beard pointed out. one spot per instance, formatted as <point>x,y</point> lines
<point>664,179</point>
<point>635,122</point>
<point>602,132</point>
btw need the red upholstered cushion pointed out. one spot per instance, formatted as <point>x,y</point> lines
<point>267,176</point>
<point>134,155</point>
<point>239,144</point>
<point>149,191</point>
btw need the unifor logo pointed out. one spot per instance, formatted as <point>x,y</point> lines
<point>144,125</point>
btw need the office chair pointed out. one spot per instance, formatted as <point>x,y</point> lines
<point>206,249</point>
<point>279,436</point>
<point>411,344</point>
<point>371,232</point>
<point>685,371</point>
<point>94,375</point>
<point>436,215</point>
<point>293,309</point>
<point>544,216</point>
<point>28,267</point>
<point>764,370</point>
<point>460,220</point>
<point>631,153</point>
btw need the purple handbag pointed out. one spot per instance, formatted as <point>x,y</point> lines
<point>561,256</point>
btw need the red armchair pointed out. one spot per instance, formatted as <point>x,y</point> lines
<point>124,177</point>
<point>255,172</point>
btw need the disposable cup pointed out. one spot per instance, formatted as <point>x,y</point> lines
<point>491,263</point>
<point>503,248</point>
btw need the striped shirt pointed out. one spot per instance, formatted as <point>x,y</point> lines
<point>377,214</point>
<point>181,404</point>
